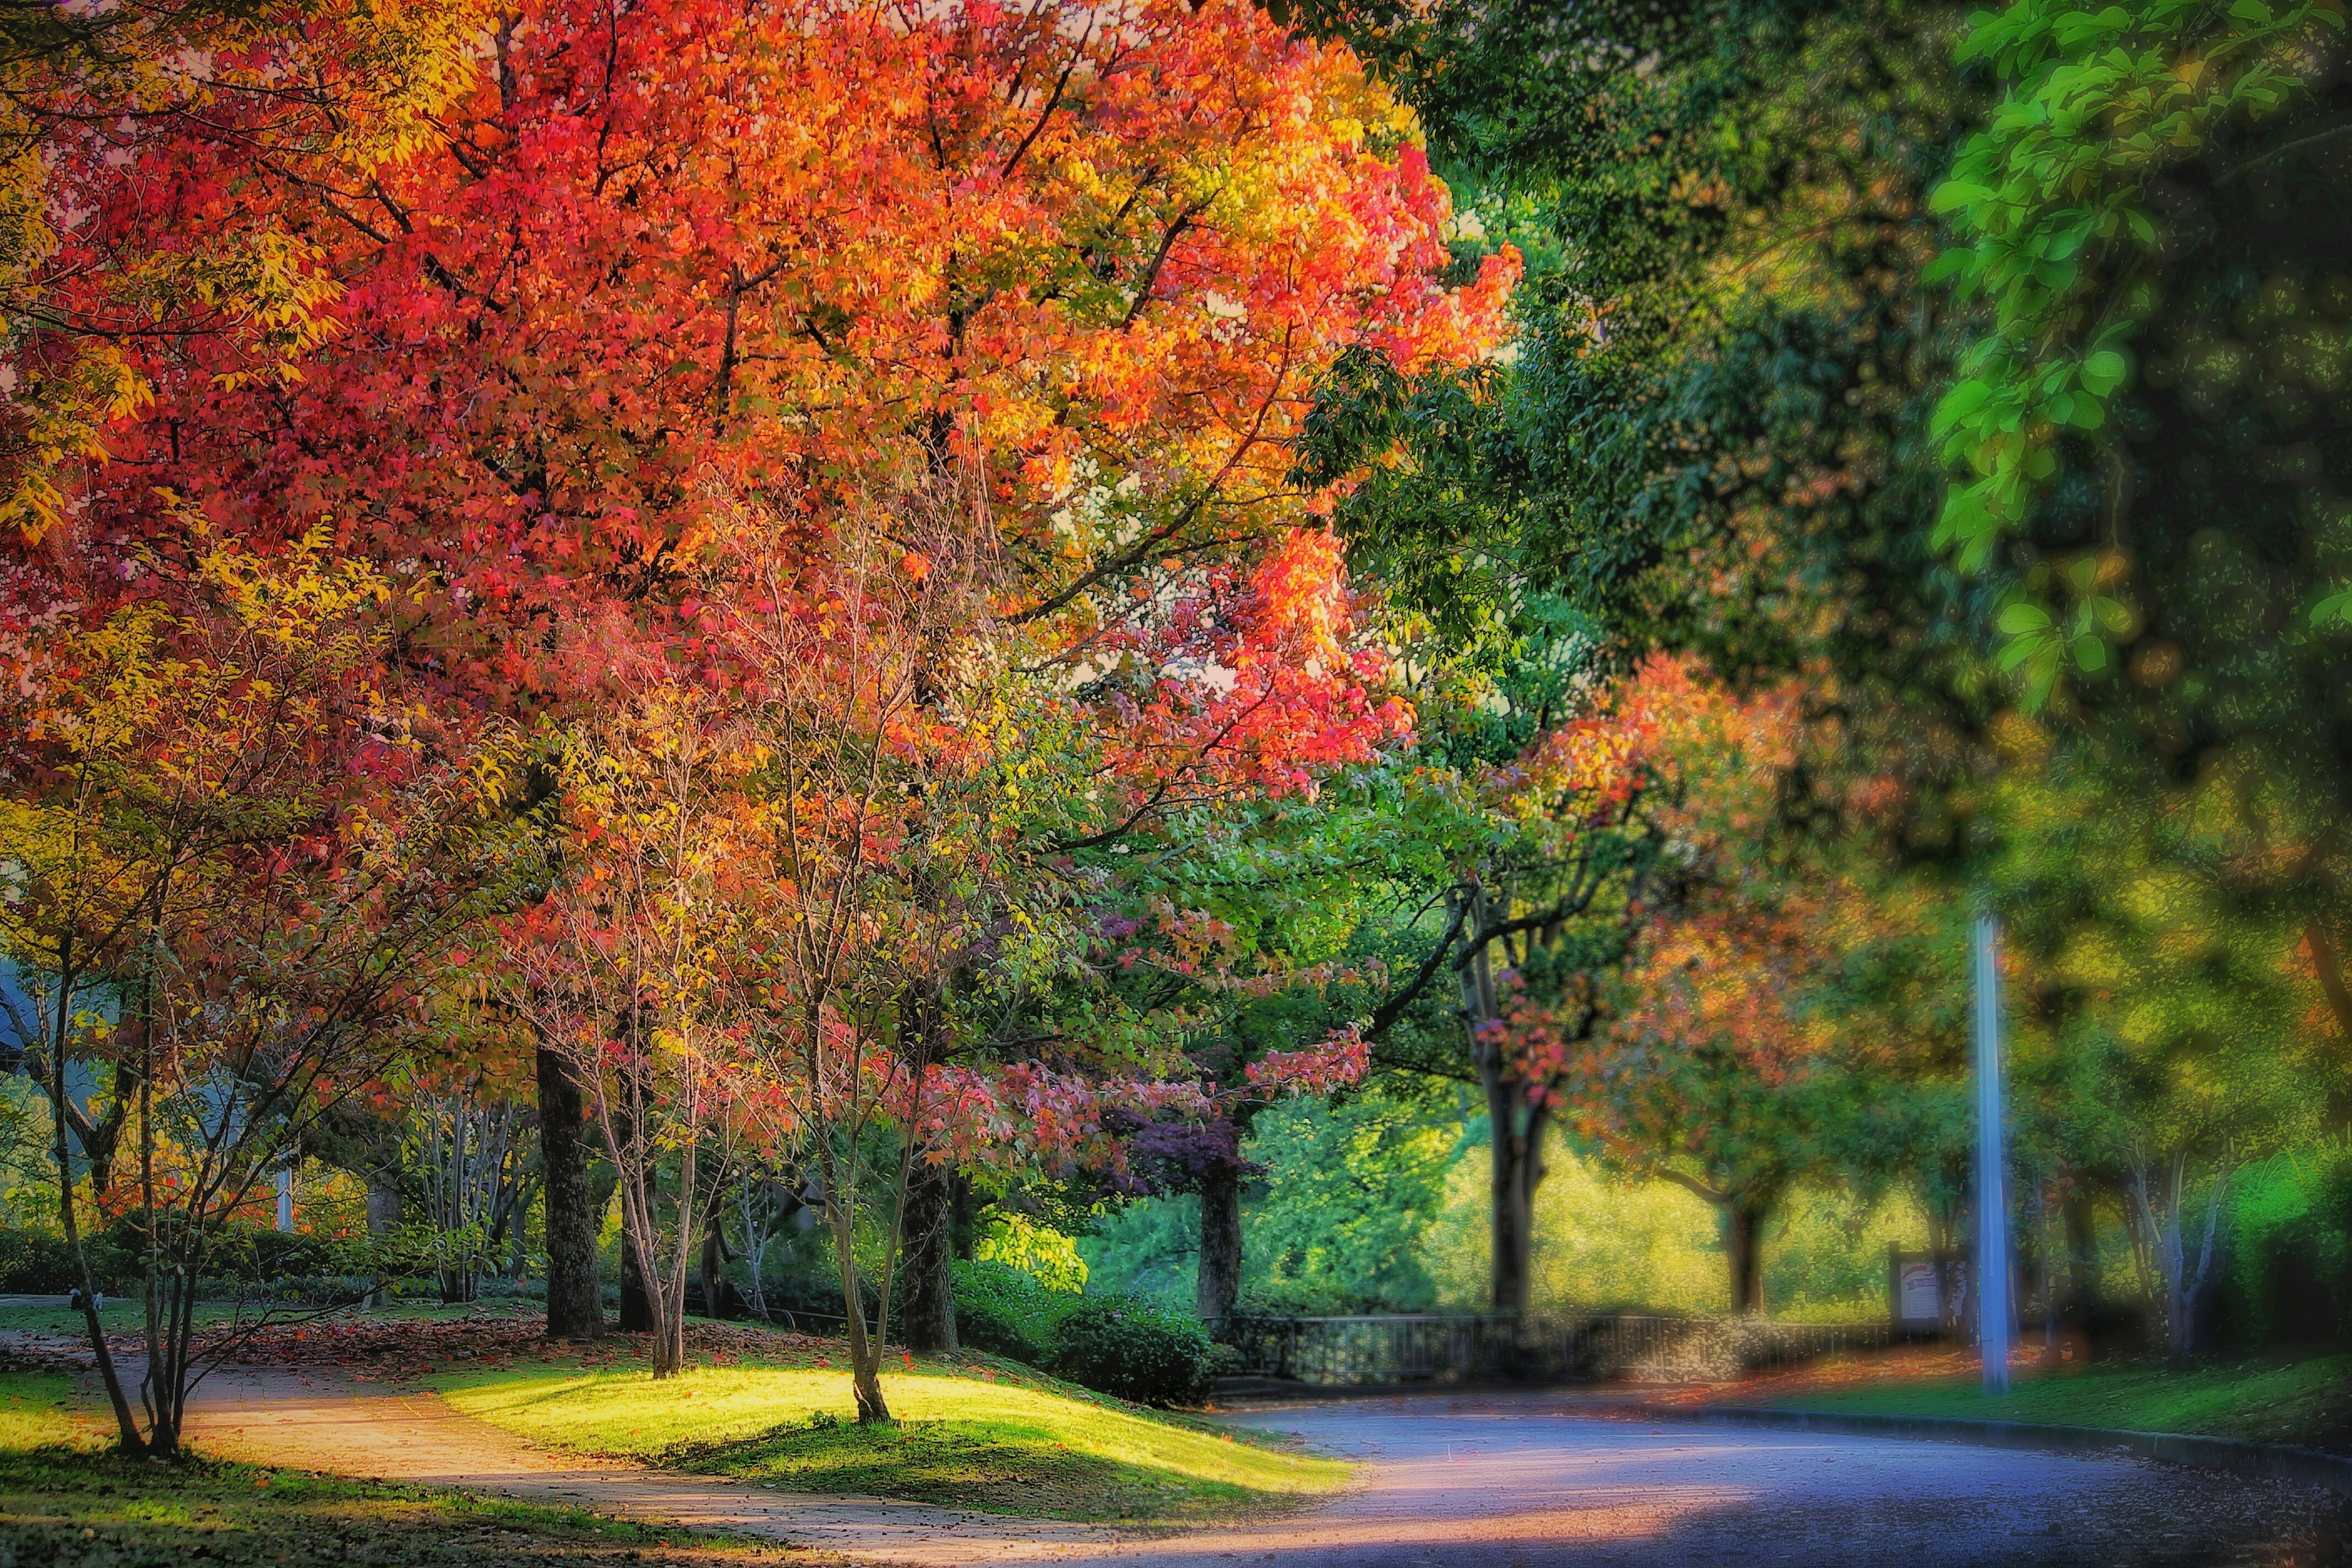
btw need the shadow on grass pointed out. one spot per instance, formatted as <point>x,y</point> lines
<point>70,1506</point>
<point>990,1467</point>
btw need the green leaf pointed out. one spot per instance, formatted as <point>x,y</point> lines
<point>2016,652</point>
<point>1953,263</point>
<point>2024,617</point>
<point>2103,372</point>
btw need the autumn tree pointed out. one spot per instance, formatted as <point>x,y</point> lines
<point>1118,250</point>
<point>153,102</point>
<point>1087,266</point>
<point>237,862</point>
<point>626,970</point>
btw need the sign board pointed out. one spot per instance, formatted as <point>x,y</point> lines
<point>1918,1295</point>
<point>1927,1291</point>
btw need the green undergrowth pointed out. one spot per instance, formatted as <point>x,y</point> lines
<point>975,1433</point>
<point>67,1501</point>
<point>2268,1399</point>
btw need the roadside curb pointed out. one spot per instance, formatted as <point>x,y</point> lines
<point>2266,1461</point>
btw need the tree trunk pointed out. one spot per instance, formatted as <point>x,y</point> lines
<point>636,1302</point>
<point>718,1295</point>
<point>1743,1250</point>
<point>926,1311</point>
<point>384,1204</point>
<point>864,1356</point>
<point>2081,1263</point>
<point>573,1311</point>
<point>518,1258</point>
<point>963,1221</point>
<point>1515,1128</point>
<point>1219,1283</point>
<point>127,1438</point>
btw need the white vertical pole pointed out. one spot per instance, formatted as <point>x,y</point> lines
<point>286,1198</point>
<point>1993,1199</point>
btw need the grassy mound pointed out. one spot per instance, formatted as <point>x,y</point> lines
<point>990,1437</point>
<point>67,1502</point>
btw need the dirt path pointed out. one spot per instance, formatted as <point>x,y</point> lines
<point>287,1418</point>
<point>1511,1481</point>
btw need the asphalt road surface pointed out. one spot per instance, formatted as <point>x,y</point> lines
<point>1529,1479</point>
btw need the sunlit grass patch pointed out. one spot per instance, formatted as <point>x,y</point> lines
<point>45,1410</point>
<point>67,1501</point>
<point>971,1436</point>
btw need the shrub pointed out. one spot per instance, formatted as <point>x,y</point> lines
<point>37,1262</point>
<point>34,1262</point>
<point>2290,1235</point>
<point>1145,1353</point>
<point>1005,1312</point>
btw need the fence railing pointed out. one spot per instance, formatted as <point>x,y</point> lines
<point>1338,1352</point>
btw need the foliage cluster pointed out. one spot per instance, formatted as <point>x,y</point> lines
<point>1139,1351</point>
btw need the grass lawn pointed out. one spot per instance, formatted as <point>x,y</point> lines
<point>120,1316</point>
<point>2268,1399</point>
<point>65,1502</point>
<point>988,1435</point>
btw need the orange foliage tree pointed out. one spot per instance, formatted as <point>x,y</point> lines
<point>662,268</point>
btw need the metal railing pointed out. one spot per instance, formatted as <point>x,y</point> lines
<point>1472,1347</point>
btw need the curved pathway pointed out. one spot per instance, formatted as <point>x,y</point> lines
<point>1513,1480</point>
<point>287,1419</point>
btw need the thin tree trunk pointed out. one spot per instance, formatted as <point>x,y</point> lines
<point>636,1300</point>
<point>1218,1285</point>
<point>2082,1264</point>
<point>1515,1130</point>
<point>1743,1250</point>
<point>518,1254</point>
<point>126,1426</point>
<point>927,1314</point>
<point>573,1311</point>
<point>718,1295</point>
<point>1515,1168</point>
<point>864,1370</point>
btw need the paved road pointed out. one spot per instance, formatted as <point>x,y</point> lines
<point>1531,1480</point>
<point>1524,1481</point>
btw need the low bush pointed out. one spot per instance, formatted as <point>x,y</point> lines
<point>1006,1312</point>
<point>37,1263</point>
<point>2289,1230</point>
<point>1141,1352</point>
<point>1113,1344</point>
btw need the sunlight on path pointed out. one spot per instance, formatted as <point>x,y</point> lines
<point>286,1419</point>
